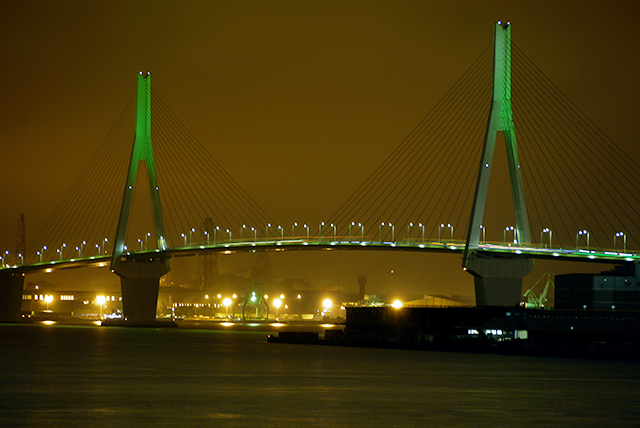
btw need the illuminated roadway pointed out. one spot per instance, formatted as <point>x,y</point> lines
<point>325,244</point>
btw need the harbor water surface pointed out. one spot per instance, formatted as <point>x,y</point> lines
<point>229,376</point>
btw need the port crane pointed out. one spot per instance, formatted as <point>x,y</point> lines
<point>537,302</point>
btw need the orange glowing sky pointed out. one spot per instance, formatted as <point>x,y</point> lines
<point>299,100</point>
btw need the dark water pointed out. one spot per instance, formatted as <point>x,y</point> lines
<point>68,376</point>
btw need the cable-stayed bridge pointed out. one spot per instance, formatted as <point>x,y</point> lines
<point>574,193</point>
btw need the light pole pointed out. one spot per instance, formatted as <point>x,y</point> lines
<point>422,226</point>
<point>350,224</point>
<point>580,233</point>
<point>21,258</point>
<point>206,234</point>
<point>146,241</point>
<point>299,311</point>
<point>62,247</point>
<point>101,300</point>
<point>140,242</point>
<point>226,302</point>
<point>306,227</point>
<point>281,232</point>
<point>380,226</point>
<point>266,232</point>
<point>361,232</point>
<point>193,229</point>
<point>515,236</point>
<point>334,231</point>
<point>409,226</point>
<point>48,298</point>
<point>624,241</point>
<point>44,247</point>
<point>293,229</point>
<point>393,232</point>
<point>215,234</point>
<point>320,230</point>
<point>484,236</point>
<point>241,232</point>
<point>185,239</point>
<point>277,303</point>
<point>546,230</point>
<point>82,244</point>
<point>229,232</point>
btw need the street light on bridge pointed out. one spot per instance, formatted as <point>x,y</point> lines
<point>546,230</point>
<point>515,234</point>
<point>422,226</point>
<point>62,247</point>
<point>306,227</point>
<point>334,231</point>
<point>229,232</point>
<point>281,231</point>
<point>41,252</point>
<point>580,233</point>
<point>484,234</point>
<point>244,226</point>
<point>350,224</point>
<point>624,240</point>
<point>185,239</point>
<point>442,227</point>
<point>320,230</point>
<point>361,232</point>
<point>193,229</point>
<point>266,232</point>
<point>409,226</point>
<point>293,229</point>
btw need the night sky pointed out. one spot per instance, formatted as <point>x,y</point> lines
<point>300,101</point>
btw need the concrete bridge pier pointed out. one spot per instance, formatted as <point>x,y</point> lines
<point>140,282</point>
<point>11,287</point>
<point>498,279</point>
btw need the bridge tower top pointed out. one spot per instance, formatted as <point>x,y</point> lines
<point>500,119</point>
<point>142,152</point>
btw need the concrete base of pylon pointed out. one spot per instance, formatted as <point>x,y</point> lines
<point>11,287</point>
<point>140,283</point>
<point>498,279</point>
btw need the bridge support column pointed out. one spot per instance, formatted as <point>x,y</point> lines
<point>11,287</point>
<point>140,282</point>
<point>498,279</point>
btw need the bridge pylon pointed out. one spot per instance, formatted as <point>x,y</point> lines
<point>140,278</point>
<point>498,279</point>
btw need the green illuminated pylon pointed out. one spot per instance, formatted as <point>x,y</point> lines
<point>500,119</point>
<point>142,152</point>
